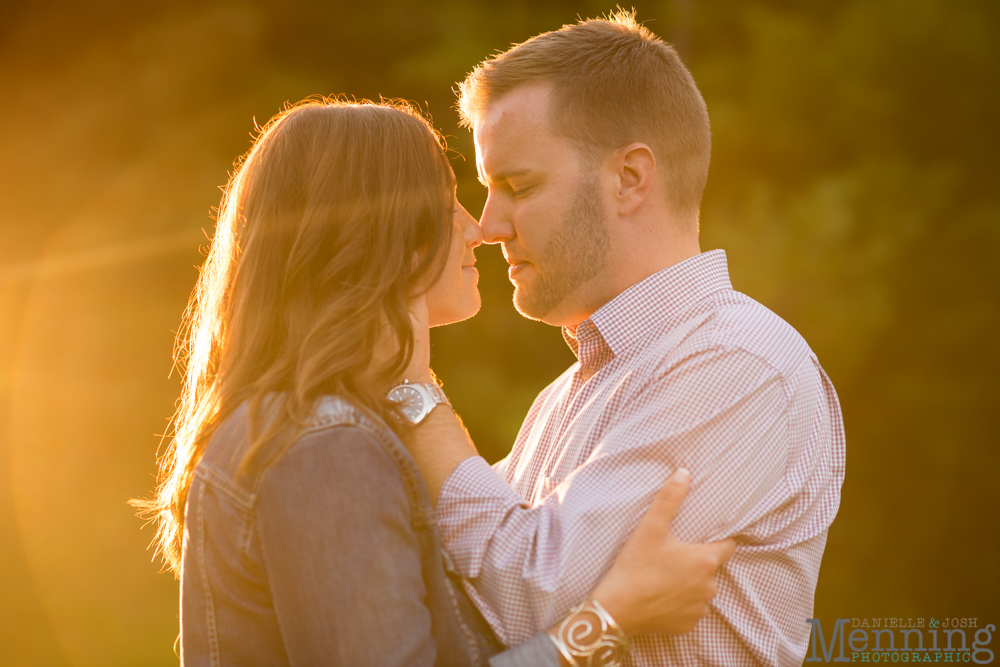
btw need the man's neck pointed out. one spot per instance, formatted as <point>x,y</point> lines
<point>624,269</point>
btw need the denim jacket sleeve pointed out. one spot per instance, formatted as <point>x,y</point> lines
<point>342,561</point>
<point>539,651</point>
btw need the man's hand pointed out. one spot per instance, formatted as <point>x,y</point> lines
<point>440,442</point>
<point>657,583</point>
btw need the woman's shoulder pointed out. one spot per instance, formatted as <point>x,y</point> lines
<point>339,465</point>
<point>333,412</point>
<point>337,434</point>
<point>339,457</point>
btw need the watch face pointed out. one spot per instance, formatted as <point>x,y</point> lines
<point>411,401</point>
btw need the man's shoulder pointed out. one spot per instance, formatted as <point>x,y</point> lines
<point>731,321</point>
<point>563,378</point>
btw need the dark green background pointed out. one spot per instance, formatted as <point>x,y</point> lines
<point>853,185</point>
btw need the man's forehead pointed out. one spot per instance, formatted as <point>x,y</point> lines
<point>524,105</point>
<point>512,127</point>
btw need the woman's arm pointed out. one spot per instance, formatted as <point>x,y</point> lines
<point>342,561</point>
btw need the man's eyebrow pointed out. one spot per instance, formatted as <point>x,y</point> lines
<point>502,176</point>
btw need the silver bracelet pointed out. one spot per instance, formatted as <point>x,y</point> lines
<point>607,649</point>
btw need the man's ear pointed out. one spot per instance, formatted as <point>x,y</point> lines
<point>635,167</point>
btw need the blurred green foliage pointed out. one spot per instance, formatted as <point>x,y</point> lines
<point>853,187</point>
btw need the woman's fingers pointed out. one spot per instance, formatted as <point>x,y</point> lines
<point>666,502</point>
<point>657,582</point>
<point>723,550</point>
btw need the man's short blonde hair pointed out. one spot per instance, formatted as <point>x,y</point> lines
<point>614,83</point>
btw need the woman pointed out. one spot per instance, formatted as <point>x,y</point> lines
<point>298,524</point>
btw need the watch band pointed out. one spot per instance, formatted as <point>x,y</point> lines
<point>430,396</point>
<point>436,392</point>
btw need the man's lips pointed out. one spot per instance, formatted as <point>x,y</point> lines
<point>517,264</point>
<point>516,268</point>
<point>514,260</point>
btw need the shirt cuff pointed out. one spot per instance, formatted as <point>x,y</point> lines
<point>472,504</point>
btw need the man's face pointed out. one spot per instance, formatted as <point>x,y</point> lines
<point>545,206</point>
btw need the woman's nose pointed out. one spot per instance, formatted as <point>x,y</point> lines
<point>471,230</point>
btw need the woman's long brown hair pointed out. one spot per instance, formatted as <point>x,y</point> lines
<point>311,264</point>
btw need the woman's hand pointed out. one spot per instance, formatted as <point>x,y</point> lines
<point>657,583</point>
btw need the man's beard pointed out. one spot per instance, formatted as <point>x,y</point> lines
<point>574,254</point>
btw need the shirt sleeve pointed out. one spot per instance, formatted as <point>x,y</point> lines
<point>342,560</point>
<point>720,413</point>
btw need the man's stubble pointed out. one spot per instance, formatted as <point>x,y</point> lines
<point>574,254</point>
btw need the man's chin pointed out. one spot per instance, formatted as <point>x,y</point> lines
<point>529,305</point>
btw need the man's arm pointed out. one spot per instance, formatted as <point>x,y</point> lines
<point>528,565</point>
<point>439,445</point>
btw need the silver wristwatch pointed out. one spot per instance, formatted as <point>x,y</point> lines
<point>417,399</point>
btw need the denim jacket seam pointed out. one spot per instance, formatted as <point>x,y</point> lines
<point>215,658</point>
<point>246,533</point>
<point>208,474</point>
<point>244,499</point>
<point>470,639</point>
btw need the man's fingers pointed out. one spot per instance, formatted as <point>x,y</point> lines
<point>669,498</point>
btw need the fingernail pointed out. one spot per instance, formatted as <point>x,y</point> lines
<point>681,474</point>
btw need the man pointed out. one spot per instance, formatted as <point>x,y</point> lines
<point>594,143</point>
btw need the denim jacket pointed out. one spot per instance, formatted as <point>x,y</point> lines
<point>330,555</point>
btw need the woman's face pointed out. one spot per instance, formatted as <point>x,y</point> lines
<point>455,296</point>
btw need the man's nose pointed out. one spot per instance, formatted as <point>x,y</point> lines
<point>495,221</point>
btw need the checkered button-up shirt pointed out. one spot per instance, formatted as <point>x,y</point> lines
<point>677,371</point>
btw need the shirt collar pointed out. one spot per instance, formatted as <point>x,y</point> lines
<point>648,305</point>
<point>589,347</point>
